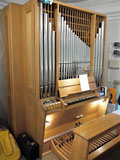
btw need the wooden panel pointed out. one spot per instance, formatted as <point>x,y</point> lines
<point>102,107</point>
<point>68,82</point>
<point>37,42</point>
<point>79,149</point>
<point>65,116</point>
<point>13,41</point>
<point>73,82</point>
<point>6,30</point>
<point>29,25</point>
<point>72,86</point>
<point>17,63</point>
<point>6,19</point>
<point>29,49</point>
<point>68,126</point>
<point>64,92</point>
<point>46,148</point>
<point>40,118</point>
<point>31,118</point>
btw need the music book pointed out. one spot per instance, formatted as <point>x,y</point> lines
<point>84,82</point>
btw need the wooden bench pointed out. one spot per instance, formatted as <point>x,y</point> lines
<point>95,137</point>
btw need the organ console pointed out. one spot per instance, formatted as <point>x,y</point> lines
<point>75,108</point>
<point>90,140</point>
<point>47,47</point>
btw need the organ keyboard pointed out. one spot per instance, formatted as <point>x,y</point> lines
<point>78,99</point>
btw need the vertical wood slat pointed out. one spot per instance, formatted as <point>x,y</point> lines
<point>7,56</point>
<point>92,42</point>
<point>37,50</point>
<point>89,17</point>
<point>56,15</point>
<point>105,28</point>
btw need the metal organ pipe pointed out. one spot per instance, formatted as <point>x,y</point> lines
<point>99,47</point>
<point>41,50</point>
<point>67,53</point>
<point>47,56</point>
<point>99,54</point>
<point>50,56</point>
<point>62,49</point>
<point>60,46</point>
<point>102,48</point>
<point>96,57</point>
<point>45,69</point>
<point>53,58</point>
<point>70,53</point>
<point>74,53</point>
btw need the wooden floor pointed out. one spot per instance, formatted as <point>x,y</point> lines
<point>50,156</point>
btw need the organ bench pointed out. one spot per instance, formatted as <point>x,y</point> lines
<point>90,140</point>
<point>95,137</point>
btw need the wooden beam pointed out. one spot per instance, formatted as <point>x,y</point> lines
<point>78,8</point>
<point>92,42</point>
<point>105,22</point>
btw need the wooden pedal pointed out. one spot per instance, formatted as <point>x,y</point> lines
<point>63,145</point>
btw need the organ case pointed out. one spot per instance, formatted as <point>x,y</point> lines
<point>59,42</point>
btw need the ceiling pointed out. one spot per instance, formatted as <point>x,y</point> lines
<point>3,3</point>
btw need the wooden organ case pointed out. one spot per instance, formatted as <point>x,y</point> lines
<point>47,47</point>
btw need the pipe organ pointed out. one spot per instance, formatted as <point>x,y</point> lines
<point>45,52</point>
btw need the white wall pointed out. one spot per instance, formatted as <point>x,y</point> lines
<point>112,9</point>
<point>113,35</point>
